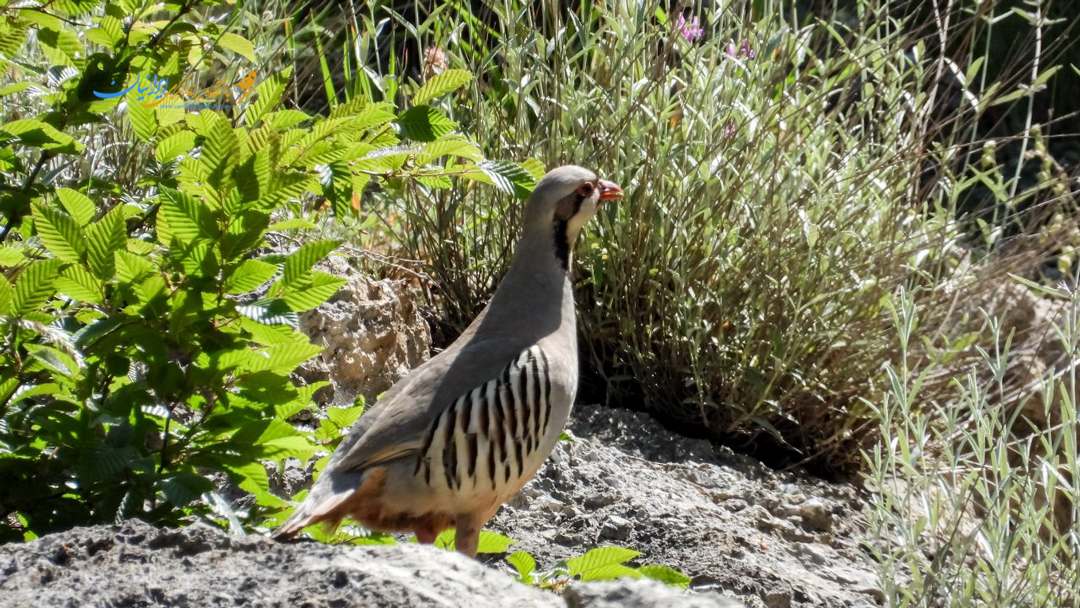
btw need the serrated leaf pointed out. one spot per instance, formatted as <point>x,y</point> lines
<point>185,487</point>
<point>36,133</point>
<point>296,223</point>
<point>174,145</point>
<point>306,295</point>
<point>668,576</point>
<point>450,146</point>
<point>284,119</point>
<point>267,96</point>
<point>77,283</point>
<point>11,256</point>
<point>610,572</point>
<point>424,123</point>
<point>505,176</point>
<point>269,312</point>
<point>249,275</point>
<point>253,478</point>
<point>77,204</point>
<point>441,84</point>
<point>344,417</point>
<point>524,564</point>
<point>131,267</point>
<point>298,264</point>
<point>238,44</point>
<point>61,46</point>
<point>7,292</point>
<point>34,286</point>
<point>143,120</point>
<point>103,237</point>
<point>600,557</point>
<point>489,542</point>
<point>535,168</point>
<point>60,233</point>
<point>188,219</point>
<point>219,151</point>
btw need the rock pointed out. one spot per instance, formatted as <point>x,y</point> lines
<point>816,515</point>
<point>639,594</point>
<point>371,332</point>
<point>136,564</point>
<point>767,538</point>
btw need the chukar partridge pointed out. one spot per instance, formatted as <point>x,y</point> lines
<point>462,433</point>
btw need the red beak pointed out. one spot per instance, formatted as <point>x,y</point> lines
<point>609,190</point>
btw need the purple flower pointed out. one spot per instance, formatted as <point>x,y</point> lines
<point>691,30</point>
<point>744,50</point>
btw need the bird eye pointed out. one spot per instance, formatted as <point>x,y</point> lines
<point>586,190</point>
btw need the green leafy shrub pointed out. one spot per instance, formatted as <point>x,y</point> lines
<point>147,333</point>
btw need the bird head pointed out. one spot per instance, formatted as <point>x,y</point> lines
<point>563,201</point>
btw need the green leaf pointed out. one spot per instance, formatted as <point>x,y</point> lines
<point>219,151</point>
<point>344,417</point>
<point>60,233</point>
<point>103,237</point>
<point>492,542</point>
<point>77,204</point>
<point>249,275</point>
<point>269,312</point>
<point>610,572</point>
<point>36,133</point>
<point>253,478</point>
<point>489,542</point>
<point>175,145</point>
<point>306,295</point>
<point>34,286</point>
<point>598,558</point>
<point>441,84</point>
<point>668,576</point>
<point>77,283</point>
<point>61,46</point>
<point>296,223</point>
<point>7,292</point>
<point>267,96</point>
<point>506,176</point>
<point>238,44</point>
<point>450,146</point>
<point>298,264</point>
<point>11,256</point>
<point>524,564</point>
<point>284,119</point>
<point>143,120</point>
<point>188,219</point>
<point>424,123</point>
<point>535,168</point>
<point>131,267</point>
<point>184,488</point>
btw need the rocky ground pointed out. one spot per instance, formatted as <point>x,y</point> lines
<point>735,526</point>
<point>135,565</point>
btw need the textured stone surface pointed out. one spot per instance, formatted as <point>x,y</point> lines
<point>371,332</point>
<point>767,538</point>
<point>638,594</point>
<point>137,565</point>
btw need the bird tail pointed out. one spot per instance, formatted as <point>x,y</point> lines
<point>323,504</point>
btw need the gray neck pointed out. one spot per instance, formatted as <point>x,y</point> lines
<point>536,289</point>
